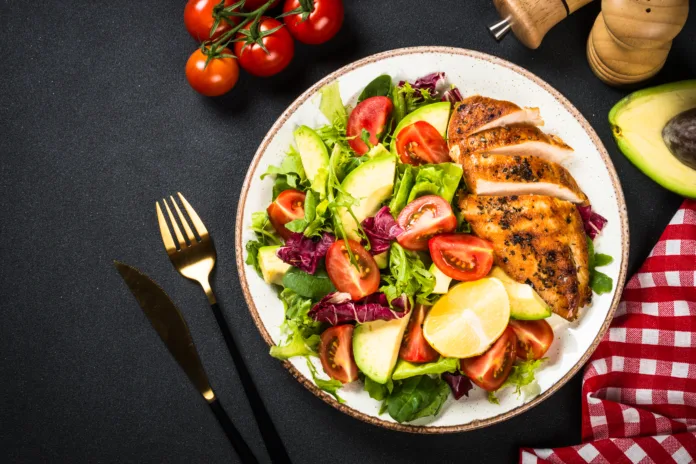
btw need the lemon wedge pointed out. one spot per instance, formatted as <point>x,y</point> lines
<point>468,319</point>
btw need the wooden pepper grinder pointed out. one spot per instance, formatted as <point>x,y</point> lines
<point>530,20</point>
<point>631,39</point>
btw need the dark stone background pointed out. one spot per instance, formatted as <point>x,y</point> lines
<point>97,122</point>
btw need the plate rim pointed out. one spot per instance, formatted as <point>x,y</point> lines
<point>616,184</point>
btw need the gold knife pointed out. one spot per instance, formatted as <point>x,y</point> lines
<point>167,320</point>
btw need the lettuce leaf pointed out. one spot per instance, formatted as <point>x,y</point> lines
<point>408,276</point>
<point>330,386</point>
<point>331,104</point>
<point>289,175</point>
<point>303,331</point>
<point>521,375</point>
<point>265,236</point>
<point>436,179</point>
<point>405,369</point>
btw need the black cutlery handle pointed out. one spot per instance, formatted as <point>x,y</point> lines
<point>271,439</point>
<point>238,443</point>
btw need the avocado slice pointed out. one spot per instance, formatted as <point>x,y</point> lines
<point>437,114</point>
<point>382,259</point>
<point>637,123</point>
<point>376,347</point>
<point>442,281</point>
<point>525,302</point>
<point>273,269</point>
<point>313,152</point>
<point>376,151</point>
<point>370,184</point>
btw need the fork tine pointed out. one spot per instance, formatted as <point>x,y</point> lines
<point>164,230</point>
<point>175,226</point>
<point>184,222</point>
<point>197,223</point>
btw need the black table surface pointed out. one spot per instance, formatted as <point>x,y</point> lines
<point>98,122</point>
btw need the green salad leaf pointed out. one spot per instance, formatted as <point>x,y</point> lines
<point>303,331</point>
<point>415,98</point>
<point>405,369</point>
<point>265,236</point>
<point>331,104</point>
<point>379,87</point>
<point>405,178</point>
<point>296,346</point>
<point>599,281</point>
<point>289,175</point>
<point>399,102</point>
<point>417,397</point>
<point>329,386</point>
<point>521,375</point>
<point>601,259</point>
<point>436,179</point>
<point>408,275</point>
<point>306,285</point>
<point>378,391</point>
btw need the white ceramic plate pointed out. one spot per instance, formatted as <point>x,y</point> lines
<point>473,73</point>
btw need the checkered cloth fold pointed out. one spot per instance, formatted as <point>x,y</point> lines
<point>639,387</point>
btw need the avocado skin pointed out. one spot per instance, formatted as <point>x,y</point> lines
<point>680,137</point>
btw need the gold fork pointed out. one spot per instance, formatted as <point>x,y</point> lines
<point>195,259</point>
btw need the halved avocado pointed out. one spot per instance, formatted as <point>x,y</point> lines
<point>637,122</point>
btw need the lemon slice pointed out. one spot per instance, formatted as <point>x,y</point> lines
<point>468,319</point>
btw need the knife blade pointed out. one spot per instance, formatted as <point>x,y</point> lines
<point>168,322</point>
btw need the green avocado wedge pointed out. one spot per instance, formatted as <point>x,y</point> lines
<point>637,122</point>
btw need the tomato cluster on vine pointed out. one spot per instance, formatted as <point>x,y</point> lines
<point>240,33</point>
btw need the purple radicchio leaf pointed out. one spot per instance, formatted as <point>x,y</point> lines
<point>428,83</point>
<point>594,223</point>
<point>458,383</point>
<point>305,253</point>
<point>337,308</point>
<point>381,230</point>
<point>452,95</point>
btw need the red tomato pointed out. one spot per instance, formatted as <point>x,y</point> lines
<point>533,338</point>
<point>336,353</point>
<point>424,218</point>
<point>198,19</point>
<point>462,256</point>
<point>420,143</point>
<point>287,207</point>
<point>324,21</point>
<point>414,347</point>
<point>358,282</point>
<point>217,78</point>
<point>371,115</point>
<point>252,5</point>
<point>492,368</point>
<point>259,62</point>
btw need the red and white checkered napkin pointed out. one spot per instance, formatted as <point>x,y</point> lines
<point>639,389</point>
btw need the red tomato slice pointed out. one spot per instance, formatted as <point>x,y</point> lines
<point>462,256</point>
<point>287,207</point>
<point>336,353</point>
<point>424,218</point>
<point>533,338</point>
<point>493,367</point>
<point>420,143</point>
<point>414,347</point>
<point>371,114</point>
<point>358,282</point>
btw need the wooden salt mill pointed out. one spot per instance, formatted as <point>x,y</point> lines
<point>631,39</point>
<point>530,20</point>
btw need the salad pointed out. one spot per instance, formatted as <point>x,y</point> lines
<point>377,268</point>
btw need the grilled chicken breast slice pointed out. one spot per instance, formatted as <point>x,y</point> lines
<point>492,174</point>
<point>538,240</point>
<point>478,113</point>
<point>513,140</point>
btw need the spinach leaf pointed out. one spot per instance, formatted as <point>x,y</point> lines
<point>315,286</point>
<point>602,260</point>
<point>417,397</point>
<point>378,391</point>
<point>601,283</point>
<point>330,386</point>
<point>379,87</point>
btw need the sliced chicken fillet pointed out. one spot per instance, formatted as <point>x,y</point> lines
<point>513,140</point>
<point>477,113</point>
<point>493,174</point>
<point>538,240</point>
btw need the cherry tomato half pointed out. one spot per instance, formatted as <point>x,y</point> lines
<point>420,143</point>
<point>255,60</point>
<point>322,24</point>
<point>533,338</point>
<point>287,207</point>
<point>252,5</point>
<point>493,367</point>
<point>217,78</point>
<point>336,353</point>
<point>424,218</point>
<point>414,347</point>
<point>360,281</point>
<point>371,115</point>
<point>198,19</point>
<point>461,256</point>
